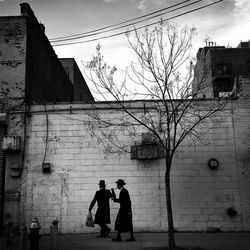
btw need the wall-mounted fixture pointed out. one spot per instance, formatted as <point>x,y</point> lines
<point>15,170</point>
<point>213,163</point>
<point>46,167</point>
<point>231,212</point>
<point>11,143</point>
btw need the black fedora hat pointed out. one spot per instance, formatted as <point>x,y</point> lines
<point>102,183</point>
<point>120,182</point>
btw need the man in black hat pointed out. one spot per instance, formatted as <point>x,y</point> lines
<point>102,216</point>
<point>123,222</point>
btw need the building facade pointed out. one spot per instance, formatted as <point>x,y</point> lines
<point>29,64</point>
<point>30,72</point>
<point>219,67</point>
<point>205,195</point>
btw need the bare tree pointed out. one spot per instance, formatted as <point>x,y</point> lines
<point>172,111</point>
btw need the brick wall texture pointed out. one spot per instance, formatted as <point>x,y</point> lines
<point>79,159</point>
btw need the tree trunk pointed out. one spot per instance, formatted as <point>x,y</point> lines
<point>171,236</point>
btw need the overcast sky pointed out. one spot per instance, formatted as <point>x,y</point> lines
<point>226,23</point>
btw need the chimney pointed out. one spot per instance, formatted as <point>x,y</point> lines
<point>26,10</point>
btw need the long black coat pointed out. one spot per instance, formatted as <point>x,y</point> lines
<point>123,222</point>
<point>102,215</point>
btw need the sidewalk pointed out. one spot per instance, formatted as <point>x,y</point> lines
<point>145,241</point>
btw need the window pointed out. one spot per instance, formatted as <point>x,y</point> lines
<point>224,69</point>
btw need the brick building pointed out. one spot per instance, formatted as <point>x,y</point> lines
<point>220,67</point>
<point>30,72</point>
<point>30,66</point>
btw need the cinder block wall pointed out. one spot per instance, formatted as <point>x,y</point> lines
<point>79,160</point>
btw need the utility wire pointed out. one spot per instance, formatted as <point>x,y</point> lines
<point>113,25</point>
<point>124,26</point>
<point>130,30</point>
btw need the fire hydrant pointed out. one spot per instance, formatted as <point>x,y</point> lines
<point>34,235</point>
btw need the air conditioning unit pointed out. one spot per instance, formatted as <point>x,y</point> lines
<point>11,143</point>
<point>147,152</point>
<point>148,149</point>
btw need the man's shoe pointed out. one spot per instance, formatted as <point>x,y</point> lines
<point>107,231</point>
<point>130,239</point>
<point>117,239</point>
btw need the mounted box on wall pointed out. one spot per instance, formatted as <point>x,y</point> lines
<point>15,170</point>
<point>46,167</point>
<point>11,143</point>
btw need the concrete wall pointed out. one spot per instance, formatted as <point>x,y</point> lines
<point>79,160</point>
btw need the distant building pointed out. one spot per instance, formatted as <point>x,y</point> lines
<point>81,90</point>
<point>219,66</point>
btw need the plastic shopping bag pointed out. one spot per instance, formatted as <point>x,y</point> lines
<point>89,220</point>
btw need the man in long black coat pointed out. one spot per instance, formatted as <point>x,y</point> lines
<point>123,222</point>
<point>102,216</point>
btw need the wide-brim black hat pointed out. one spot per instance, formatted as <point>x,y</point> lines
<point>120,182</point>
<point>102,183</point>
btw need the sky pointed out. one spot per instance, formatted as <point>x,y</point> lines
<point>226,23</point>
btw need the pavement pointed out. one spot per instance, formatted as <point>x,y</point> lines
<point>144,241</point>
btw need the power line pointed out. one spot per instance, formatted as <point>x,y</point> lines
<point>124,26</point>
<point>144,26</point>
<point>123,22</point>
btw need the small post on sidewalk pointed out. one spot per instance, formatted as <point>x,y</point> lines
<point>23,238</point>
<point>34,235</point>
<point>54,235</point>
